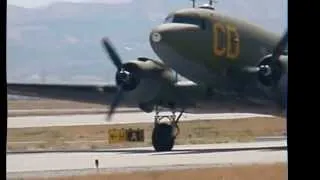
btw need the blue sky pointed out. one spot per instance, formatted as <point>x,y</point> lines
<point>39,3</point>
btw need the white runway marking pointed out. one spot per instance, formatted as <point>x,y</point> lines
<point>55,110</point>
<point>184,155</point>
<point>120,118</point>
<point>10,111</point>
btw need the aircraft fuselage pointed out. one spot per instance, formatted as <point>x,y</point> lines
<point>211,48</point>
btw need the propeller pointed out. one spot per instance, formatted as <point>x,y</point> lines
<point>115,58</point>
<point>125,80</point>
<point>270,69</point>
<point>280,47</point>
<point>115,103</point>
<point>266,70</point>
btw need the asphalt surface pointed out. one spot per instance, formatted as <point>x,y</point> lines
<point>56,112</point>
<point>36,163</point>
<point>182,156</point>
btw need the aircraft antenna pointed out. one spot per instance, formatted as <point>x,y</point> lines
<point>193,3</point>
<point>209,5</point>
<point>212,1</point>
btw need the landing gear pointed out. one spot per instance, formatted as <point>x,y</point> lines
<point>164,135</point>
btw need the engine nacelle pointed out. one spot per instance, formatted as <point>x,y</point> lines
<point>271,71</point>
<point>283,86</point>
<point>146,107</point>
<point>142,80</point>
<point>273,76</point>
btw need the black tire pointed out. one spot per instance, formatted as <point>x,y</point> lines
<point>162,137</point>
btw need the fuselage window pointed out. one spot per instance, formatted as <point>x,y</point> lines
<point>168,19</point>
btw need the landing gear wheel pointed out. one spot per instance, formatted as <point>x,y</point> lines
<point>163,137</point>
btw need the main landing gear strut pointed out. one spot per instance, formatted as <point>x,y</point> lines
<point>164,134</point>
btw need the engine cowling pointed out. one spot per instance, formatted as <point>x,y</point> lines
<point>283,86</point>
<point>128,76</point>
<point>142,79</point>
<point>273,76</point>
<point>270,71</point>
<point>139,80</point>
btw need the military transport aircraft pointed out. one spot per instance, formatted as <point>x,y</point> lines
<point>235,66</point>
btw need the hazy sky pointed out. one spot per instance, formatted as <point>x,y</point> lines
<point>37,3</point>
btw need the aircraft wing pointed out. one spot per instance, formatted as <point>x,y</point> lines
<point>96,94</point>
<point>186,95</point>
<point>81,93</point>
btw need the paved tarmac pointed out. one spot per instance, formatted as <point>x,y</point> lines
<point>141,158</point>
<point>182,156</point>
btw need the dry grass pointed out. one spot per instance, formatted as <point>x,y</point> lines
<point>95,136</point>
<point>246,172</point>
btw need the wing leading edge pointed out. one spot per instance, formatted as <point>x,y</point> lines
<point>185,95</point>
<point>81,93</point>
<point>94,94</point>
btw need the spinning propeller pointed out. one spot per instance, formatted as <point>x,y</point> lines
<point>125,78</point>
<point>269,70</point>
<point>266,70</point>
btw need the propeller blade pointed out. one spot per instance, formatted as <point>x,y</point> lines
<point>275,55</point>
<point>115,103</point>
<point>280,47</point>
<point>112,52</point>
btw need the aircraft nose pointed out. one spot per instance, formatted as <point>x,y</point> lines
<point>170,32</point>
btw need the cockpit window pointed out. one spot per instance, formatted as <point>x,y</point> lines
<point>168,19</point>
<point>185,20</point>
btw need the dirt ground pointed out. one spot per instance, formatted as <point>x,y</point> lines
<point>96,136</point>
<point>245,172</point>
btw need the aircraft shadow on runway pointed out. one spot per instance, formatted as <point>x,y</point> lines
<point>152,152</point>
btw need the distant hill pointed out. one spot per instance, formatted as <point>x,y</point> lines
<point>61,42</point>
<point>13,97</point>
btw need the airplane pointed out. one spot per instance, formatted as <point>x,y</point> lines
<point>235,66</point>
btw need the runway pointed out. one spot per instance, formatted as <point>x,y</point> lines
<point>139,158</point>
<point>183,156</point>
<point>69,110</point>
<point>53,112</point>
<point>120,118</point>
